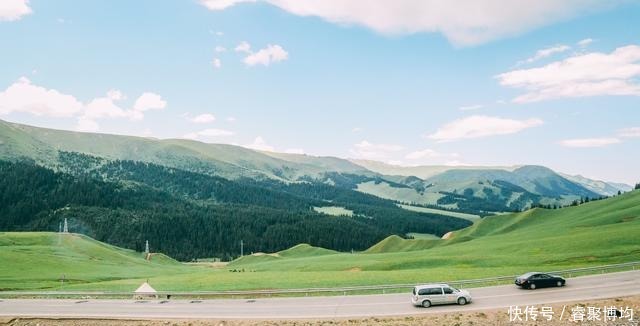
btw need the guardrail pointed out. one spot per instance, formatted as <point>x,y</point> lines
<point>388,288</point>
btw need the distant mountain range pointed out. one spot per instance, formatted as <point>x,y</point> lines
<point>464,188</point>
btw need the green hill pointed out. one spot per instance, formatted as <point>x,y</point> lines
<point>595,233</point>
<point>598,232</point>
<point>42,145</point>
<point>395,243</point>
<point>302,250</point>
<point>40,259</point>
<point>305,250</point>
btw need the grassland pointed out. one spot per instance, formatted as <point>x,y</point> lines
<point>470,217</point>
<point>334,211</point>
<point>595,233</point>
<point>384,190</point>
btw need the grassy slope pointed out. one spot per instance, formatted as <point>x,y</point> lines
<point>41,144</point>
<point>470,217</point>
<point>595,233</point>
<point>384,190</point>
<point>39,259</point>
<point>334,211</point>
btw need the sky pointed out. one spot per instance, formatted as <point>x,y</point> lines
<point>407,82</point>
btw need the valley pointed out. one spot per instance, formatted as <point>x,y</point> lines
<point>591,234</point>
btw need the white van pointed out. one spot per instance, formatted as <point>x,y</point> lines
<point>434,294</point>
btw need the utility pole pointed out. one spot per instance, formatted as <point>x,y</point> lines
<point>241,248</point>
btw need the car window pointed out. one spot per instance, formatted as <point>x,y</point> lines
<point>414,291</point>
<point>423,291</point>
<point>543,276</point>
<point>435,291</point>
<point>448,290</point>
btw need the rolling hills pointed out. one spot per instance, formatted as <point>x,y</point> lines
<point>196,200</point>
<point>42,259</point>
<point>594,233</point>
<point>190,215</point>
<point>597,232</point>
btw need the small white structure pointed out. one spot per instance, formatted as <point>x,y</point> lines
<point>66,226</point>
<point>145,291</point>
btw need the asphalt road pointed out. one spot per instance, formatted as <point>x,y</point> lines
<point>581,288</point>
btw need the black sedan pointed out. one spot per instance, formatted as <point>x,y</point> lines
<point>536,280</point>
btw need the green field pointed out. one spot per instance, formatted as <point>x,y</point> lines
<point>595,233</point>
<point>470,217</point>
<point>334,211</point>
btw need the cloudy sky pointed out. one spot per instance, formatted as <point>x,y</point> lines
<point>411,82</point>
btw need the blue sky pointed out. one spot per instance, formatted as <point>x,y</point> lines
<point>408,82</point>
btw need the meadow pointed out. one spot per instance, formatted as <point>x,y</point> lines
<point>594,233</point>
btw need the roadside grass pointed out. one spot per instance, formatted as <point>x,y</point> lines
<point>596,233</point>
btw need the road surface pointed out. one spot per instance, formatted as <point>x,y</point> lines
<point>581,288</point>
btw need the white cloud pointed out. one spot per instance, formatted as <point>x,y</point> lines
<point>115,95</point>
<point>589,142</point>
<point>462,22</point>
<point>215,133</point>
<point>88,125</point>
<point>244,46</point>
<point>208,133</point>
<point>149,101</point>
<point>591,74</point>
<point>294,151</point>
<point>585,42</point>
<point>261,145</point>
<point>216,63</point>
<point>266,56</point>
<point>481,126</point>
<point>220,49</point>
<point>629,132</point>
<point>203,118</point>
<point>231,119</point>
<point>544,53</point>
<point>105,107</point>
<point>23,96</point>
<point>471,107</point>
<point>429,154</point>
<point>221,4</point>
<point>11,10</point>
<point>367,150</point>
<point>357,129</point>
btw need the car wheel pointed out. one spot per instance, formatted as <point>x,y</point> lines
<point>559,284</point>
<point>532,286</point>
<point>426,303</point>
<point>462,301</point>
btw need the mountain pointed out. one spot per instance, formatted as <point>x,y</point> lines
<point>601,187</point>
<point>475,190</point>
<point>422,172</point>
<point>481,191</point>
<point>233,162</point>
<point>191,215</point>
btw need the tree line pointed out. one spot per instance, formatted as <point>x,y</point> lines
<point>189,215</point>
